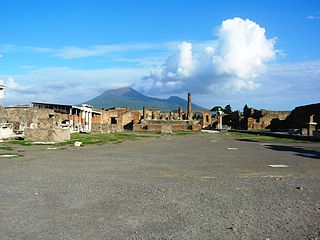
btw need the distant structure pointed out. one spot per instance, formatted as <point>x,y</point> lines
<point>1,93</point>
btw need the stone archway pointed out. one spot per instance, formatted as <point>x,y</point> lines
<point>206,117</point>
<point>127,120</point>
<point>197,117</point>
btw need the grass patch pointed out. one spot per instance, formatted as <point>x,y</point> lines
<point>88,138</point>
<point>21,142</point>
<point>6,148</point>
<point>247,136</point>
<point>147,132</point>
<point>184,132</point>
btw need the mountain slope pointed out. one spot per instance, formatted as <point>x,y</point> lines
<point>128,97</point>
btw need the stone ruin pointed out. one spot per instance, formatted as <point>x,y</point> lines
<point>32,124</point>
<point>155,120</point>
<point>47,122</point>
<point>302,120</point>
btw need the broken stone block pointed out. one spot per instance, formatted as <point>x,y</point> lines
<point>166,129</point>
<point>304,132</point>
<point>77,144</point>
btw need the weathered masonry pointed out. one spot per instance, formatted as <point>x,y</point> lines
<point>32,124</point>
<point>155,120</point>
<point>78,119</point>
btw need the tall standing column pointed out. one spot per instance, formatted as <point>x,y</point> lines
<point>180,113</point>
<point>89,121</point>
<point>189,107</point>
<point>144,113</point>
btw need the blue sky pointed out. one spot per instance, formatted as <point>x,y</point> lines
<point>262,53</point>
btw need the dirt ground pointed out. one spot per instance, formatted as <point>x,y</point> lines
<point>202,186</point>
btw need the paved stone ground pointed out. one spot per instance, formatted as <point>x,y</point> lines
<point>203,186</point>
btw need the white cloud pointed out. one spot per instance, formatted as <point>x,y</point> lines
<point>238,59</point>
<point>66,85</point>
<point>75,52</point>
<point>242,48</point>
<point>99,50</point>
<point>313,17</point>
<point>283,87</point>
<point>232,62</point>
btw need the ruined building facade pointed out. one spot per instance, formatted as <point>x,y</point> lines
<point>54,122</point>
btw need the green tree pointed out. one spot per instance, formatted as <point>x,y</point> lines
<point>246,111</point>
<point>216,108</point>
<point>228,109</point>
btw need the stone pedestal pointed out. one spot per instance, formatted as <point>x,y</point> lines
<point>311,126</point>
<point>219,125</point>
<point>304,132</point>
<point>166,129</point>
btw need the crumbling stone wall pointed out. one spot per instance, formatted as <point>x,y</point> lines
<point>6,130</point>
<point>3,115</point>
<point>127,118</point>
<point>261,119</point>
<point>170,116</point>
<point>298,118</point>
<point>38,124</point>
<point>152,114</point>
<point>47,135</point>
<point>157,125</point>
<point>105,128</point>
<point>107,116</point>
<point>27,117</point>
<point>206,117</point>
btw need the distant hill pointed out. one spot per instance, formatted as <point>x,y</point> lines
<point>128,97</point>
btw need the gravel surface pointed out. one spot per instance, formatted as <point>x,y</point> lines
<point>202,186</point>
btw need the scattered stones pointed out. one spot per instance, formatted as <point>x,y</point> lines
<point>299,188</point>
<point>77,144</point>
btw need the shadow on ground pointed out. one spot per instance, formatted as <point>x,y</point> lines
<point>296,150</point>
<point>247,140</point>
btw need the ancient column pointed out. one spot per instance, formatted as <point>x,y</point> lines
<point>89,120</point>
<point>135,117</point>
<point>189,107</point>
<point>180,113</point>
<point>144,113</point>
<point>219,126</point>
